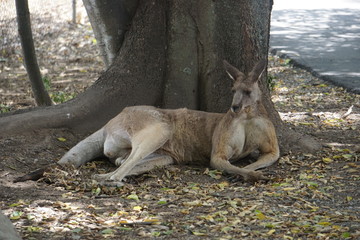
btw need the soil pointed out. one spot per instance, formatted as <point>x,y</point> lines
<point>309,196</point>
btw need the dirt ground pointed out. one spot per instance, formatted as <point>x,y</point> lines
<point>310,196</point>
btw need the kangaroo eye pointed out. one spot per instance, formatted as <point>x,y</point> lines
<point>233,91</point>
<point>247,92</point>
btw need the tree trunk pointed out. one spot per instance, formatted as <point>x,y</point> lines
<point>110,21</point>
<point>41,96</point>
<point>74,12</point>
<point>171,57</point>
<point>7,229</point>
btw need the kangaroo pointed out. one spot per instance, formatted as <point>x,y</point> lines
<point>141,138</point>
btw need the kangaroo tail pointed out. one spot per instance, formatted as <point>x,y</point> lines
<point>86,150</point>
<point>34,175</point>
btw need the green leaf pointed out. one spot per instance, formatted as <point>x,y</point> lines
<point>15,204</point>
<point>327,160</point>
<point>347,156</point>
<point>107,231</point>
<point>61,139</point>
<point>349,198</point>
<point>199,234</point>
<point>346,235</point>
<point>137,208</point>
<point>216,174</point>
<point>161,202</point>
<point>270,232</point>
<point>96,191</point>
<point>324,223</point>
<point>223,185</point>
<point>76,230</point>
<point>16,215</point>
<point>19,203</point>
<point>260,215</point>
<point>133,197</point>
<point>226,229</point>
<point>312,185</point>
<point>168,232</point>
<point>156,234</point>
<point>33,229</point>
<point>270,225</point>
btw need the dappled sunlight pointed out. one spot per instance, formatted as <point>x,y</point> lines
<point>311,4</point>
<point>76,212</point>
<point>290,25</point>
<point>75,217</point>
<point>312,104</point>
<point>310,195</point>
<point>65,70</point>
<point>321,36</point>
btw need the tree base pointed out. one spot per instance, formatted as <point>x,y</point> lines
<point>292,141</point>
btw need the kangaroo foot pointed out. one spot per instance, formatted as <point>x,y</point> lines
<point>111,183</point>
<point>102,177</point>
<point>255,176</point>
<point>105,180</point>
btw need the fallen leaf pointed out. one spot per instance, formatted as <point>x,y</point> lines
<point>16,215</point>
<point>199,234</point>
<point>327,160</point>
<point>161,202</point>
<point>260,215</point>
<point>133,197</point>
<point>270,232</point>
<point>107,231</point>
<point>137,208</point>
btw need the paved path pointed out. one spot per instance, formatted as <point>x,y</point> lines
<point>322,36</point>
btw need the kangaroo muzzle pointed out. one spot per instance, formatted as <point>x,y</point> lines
<point>236,108</point>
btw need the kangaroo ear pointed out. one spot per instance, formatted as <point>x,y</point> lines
<point>257,71</point>
<point>233,72</point>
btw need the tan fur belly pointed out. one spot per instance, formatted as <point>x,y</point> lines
<point>185,151</point>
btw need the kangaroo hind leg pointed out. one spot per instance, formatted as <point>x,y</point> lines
<point>151,162</point>
<point>144,142</point>
<point>117,146</point>
<point>269,150</point>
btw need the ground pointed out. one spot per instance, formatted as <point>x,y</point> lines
<point>309,196</point>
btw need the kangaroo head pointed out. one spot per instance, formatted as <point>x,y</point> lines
<point>245,87</point>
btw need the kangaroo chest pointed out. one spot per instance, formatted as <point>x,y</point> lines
<point>237,141</point>
<point>245,136</point>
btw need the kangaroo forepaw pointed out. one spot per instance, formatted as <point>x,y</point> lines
<point>255,176</point>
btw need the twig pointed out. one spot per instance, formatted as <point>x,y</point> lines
<point>348,112</point>
<point>153,221</point>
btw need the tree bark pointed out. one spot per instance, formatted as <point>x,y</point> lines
<point>110,21</point>
<point>7,229</point>
<point>41,96</point>
<point>171,57</point>
<point>74,12</point>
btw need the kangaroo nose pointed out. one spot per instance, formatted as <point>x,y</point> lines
<point>235,108</point>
